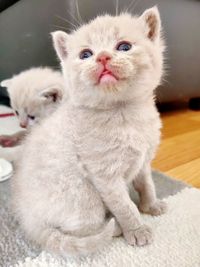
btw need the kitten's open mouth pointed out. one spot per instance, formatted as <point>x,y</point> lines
<point>107,77</point>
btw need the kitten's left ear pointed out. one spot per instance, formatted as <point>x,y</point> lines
<point>60,43</point>
<point>52,94</point>
<point>152,23</point>
<point>6,83</point>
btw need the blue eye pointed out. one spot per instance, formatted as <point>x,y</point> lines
<point>123,46</point>
<point>86,53</point>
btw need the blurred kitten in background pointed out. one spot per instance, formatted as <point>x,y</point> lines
<point>34,94</point>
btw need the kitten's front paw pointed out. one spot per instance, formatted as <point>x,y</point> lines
<point>141,236</point>
<point>158,208</point>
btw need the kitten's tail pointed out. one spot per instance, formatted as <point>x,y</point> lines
<point>68,245</point>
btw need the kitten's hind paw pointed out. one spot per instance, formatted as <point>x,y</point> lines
<point>141,236</point>
<point>158,208</point>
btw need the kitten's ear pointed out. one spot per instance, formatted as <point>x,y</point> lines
<point>52,94</point>
<point>152,23</point>
<point>6,83</point>
<point>60,43</point>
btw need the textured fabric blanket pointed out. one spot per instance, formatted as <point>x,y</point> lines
<point>176,241</point>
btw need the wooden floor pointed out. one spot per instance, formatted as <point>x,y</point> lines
<point>179,152</point>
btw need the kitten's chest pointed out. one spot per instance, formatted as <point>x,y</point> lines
<point>112,142</point>
<point>111,138</point>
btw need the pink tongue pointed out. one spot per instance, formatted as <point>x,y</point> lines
<point>107,78</point>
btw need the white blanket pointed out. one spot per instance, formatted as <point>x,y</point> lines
<point>176,242</point>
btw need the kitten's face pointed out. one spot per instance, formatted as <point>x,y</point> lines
<point>112,58</point>
<point>34,94</point>
<point>31,107</point>
<point>29,110</point>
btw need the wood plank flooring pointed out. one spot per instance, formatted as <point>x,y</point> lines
<point>179,153</point>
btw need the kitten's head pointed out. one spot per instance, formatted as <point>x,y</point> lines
<point>34,94</point>
<point>112,58</point>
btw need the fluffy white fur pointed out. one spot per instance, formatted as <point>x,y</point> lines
<point>34,95</point>
<point>77,164</point>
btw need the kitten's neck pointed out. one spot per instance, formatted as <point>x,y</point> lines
<point>116,105</point>
<point>104,107</point>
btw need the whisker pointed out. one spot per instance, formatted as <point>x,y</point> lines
<point>62,27</point>
<point>117,8</point>
<point>167,81</point>
<point>78,12</point>
<point>65,20</point>
<point>74,18</point>
<point>129,6</point>
<point>132,9</point>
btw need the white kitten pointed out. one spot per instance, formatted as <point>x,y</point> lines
<point>34,95</point>
<point>79,162</point>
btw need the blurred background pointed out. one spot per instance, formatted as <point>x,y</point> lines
<point>25,40</point>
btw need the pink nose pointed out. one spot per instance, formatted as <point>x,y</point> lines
<point>103,58</point>
<point>23,125</point>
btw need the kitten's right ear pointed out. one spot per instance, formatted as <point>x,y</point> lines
<point>6,83</point>
<point>60,43</point>
<point>53,93</point>
<point>152,23</point>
